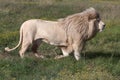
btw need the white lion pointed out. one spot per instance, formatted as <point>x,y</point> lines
<point>70,33</point>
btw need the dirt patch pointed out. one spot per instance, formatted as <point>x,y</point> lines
<point>4,55</point>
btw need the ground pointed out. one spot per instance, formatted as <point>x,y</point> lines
<point>100,58</point>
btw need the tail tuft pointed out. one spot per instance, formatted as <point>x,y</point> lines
<point>7,49</point>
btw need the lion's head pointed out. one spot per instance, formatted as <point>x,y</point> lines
<point>94,16</point>
<point>86,23</point>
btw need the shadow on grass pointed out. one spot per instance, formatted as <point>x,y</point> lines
<point>86,55</point>
<point>92,55</point>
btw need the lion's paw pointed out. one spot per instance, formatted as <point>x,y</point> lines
<point>58,57</point>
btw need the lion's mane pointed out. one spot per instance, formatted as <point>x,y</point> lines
<point>79,23</point>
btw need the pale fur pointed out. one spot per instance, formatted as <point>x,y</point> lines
<point>70,33</point>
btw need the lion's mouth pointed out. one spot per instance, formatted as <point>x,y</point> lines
<point>100,30</point>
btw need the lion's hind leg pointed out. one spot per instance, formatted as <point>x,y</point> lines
<point>24,47</point>
<point>35,46</point>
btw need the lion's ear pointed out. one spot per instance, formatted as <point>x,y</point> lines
<point>93,15</point>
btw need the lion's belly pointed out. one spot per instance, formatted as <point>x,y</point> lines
<point>53,35</point>
<point>55,38</point>
<point>55,42</point>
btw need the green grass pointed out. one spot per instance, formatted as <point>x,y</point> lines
<point>100,58</point>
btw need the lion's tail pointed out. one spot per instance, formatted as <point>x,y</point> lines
<point>20,41</point>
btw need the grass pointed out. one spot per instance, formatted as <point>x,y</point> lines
<point>100,58</point>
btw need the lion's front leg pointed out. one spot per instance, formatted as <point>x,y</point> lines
<point>59,56</point>
<point>66,51</point>
<point>77,50</point>
<point>77,54</point>
<point>65,54</point>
